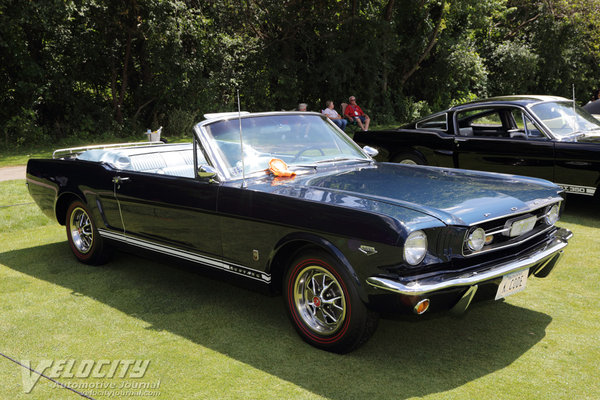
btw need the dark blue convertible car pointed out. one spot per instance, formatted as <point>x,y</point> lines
<point>289,202</point>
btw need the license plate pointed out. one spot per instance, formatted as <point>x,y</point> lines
<point>512,283</point>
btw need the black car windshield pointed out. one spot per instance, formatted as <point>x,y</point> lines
<point>564,120</point>
<point>299,140</point>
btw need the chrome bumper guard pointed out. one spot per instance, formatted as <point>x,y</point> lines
<point>543,259</point>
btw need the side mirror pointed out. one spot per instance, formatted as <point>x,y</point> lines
<point>206,172</point>
<point>371,151</point>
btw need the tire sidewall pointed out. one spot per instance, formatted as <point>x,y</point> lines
<point>409,156</point>
<point>348,335</point>
<point>92,255</point>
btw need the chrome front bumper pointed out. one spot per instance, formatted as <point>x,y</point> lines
<point>542,259</point>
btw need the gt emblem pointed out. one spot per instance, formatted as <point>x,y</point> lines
<point>316,301</point>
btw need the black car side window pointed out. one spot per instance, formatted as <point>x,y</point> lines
<point>436,122</point>
<point>523,125</point>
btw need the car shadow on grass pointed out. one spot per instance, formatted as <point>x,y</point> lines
<point>404,358</point>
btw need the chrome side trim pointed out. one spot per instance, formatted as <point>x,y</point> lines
<point>187,255</point>
<point>542,254</point>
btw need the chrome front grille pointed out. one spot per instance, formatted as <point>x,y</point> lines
<point>498,231</point>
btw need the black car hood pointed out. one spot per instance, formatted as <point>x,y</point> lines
<point>453,196</point>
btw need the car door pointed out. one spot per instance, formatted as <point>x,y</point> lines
<point>578,166</point>
<point>172,214</point>
<point>502,139</point>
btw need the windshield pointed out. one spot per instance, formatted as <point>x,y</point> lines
<point>564,120</point>
<point>299,140</point>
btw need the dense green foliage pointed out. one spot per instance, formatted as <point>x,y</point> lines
<point>92,68</point>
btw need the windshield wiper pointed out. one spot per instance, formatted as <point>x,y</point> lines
<point>312,166</point>
<point>332,160</point>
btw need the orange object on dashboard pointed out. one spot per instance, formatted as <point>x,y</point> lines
<point>279,168</point>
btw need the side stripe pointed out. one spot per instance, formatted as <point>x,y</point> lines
<point>187,255</point>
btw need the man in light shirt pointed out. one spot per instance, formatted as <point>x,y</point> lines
<point>333,115</point>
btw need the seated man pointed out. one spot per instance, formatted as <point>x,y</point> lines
<point>355,113</point>
<point>333,115</point>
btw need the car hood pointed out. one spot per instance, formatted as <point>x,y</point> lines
<point>453,196</point>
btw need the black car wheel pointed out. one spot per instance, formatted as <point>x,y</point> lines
<point>324,306</point>
<point>86,243</point>
<point>409,158</point>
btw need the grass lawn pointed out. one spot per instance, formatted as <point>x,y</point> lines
<point>206,339</point>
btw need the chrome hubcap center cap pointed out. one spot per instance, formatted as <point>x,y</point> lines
<point>317,301</point>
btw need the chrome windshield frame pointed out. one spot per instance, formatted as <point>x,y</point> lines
<point>215,159</point>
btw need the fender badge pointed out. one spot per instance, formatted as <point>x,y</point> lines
<point>368,250</point>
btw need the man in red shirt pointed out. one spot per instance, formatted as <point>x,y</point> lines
<point>355,113</point>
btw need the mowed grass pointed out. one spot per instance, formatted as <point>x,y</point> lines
<point>207,339</point>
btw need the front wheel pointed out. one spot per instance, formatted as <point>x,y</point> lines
<point>409,158</point>
<point>86,244</point>
<point>324,306</point>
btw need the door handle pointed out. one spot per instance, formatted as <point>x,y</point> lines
<point>119,179</point>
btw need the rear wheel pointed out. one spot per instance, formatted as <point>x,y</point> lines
<point>409,158</point>
<point>324,306</point>
<point>86,244</point>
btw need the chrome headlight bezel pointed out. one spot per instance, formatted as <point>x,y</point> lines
<point>476,239</point>
<point>552,214</point>
<point>415,247</point>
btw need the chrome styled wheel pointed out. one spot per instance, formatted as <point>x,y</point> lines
<point>323,302</point>
<point>408,161</point>
<point>319,300</point>
<point>82,233</point>
<point>87,245</point>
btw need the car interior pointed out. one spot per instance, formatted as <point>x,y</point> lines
<point>510,123</point>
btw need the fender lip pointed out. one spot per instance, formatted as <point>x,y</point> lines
<point>541,259</point>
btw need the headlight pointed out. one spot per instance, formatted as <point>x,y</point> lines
<point>415,247</point>
<point>476,239</point>
<point>552,215</point>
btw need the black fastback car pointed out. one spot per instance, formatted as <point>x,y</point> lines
<point>541,136</point>
<point>287,201</point>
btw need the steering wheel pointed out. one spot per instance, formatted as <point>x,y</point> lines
<point>304,150</point>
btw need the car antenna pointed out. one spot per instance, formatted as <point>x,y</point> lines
<point>576,127</point>
<point>241,139</point>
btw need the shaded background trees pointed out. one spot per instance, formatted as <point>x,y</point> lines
<point>85,68</point>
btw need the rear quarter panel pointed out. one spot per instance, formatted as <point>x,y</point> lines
<point>49,180</point>
<point>577,166</point>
